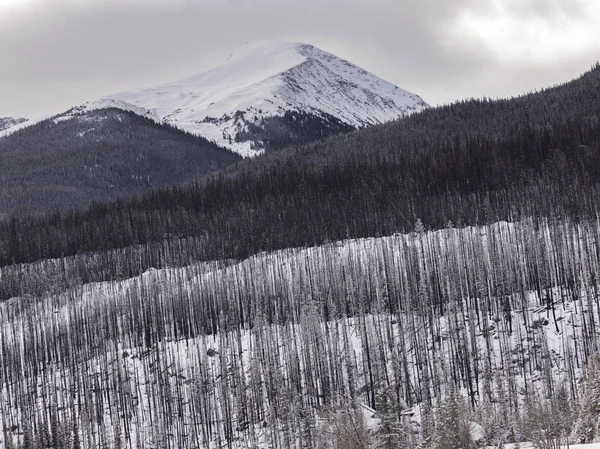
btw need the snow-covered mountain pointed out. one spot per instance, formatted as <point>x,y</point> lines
<point>9,122</point>
<point>233,103</point>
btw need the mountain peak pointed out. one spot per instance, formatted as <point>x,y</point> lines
<point>264,81</point>
<point>264,47</point>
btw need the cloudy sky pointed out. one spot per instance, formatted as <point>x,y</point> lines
<point>58,53</point>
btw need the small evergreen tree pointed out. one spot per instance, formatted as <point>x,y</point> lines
<point>76,438</point>
<point>8,439</point>
<point>391,433</point>
<point>586,427</point>
<point>419,228</point>
<point>27,436</point>
<point>347,429</point>
<point>452,428</point>
<point>543,424</point>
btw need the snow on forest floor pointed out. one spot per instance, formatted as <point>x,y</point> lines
<point>203,379</point>
<point>531,446</point>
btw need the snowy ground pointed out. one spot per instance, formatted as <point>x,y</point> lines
<point>529,445</point>
<point>538,351</point>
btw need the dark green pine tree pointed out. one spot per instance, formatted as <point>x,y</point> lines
<point>27,436</point>
<point>44,439</point>
<point>8,441</point>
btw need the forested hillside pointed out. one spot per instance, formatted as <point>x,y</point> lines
<point>474,162</point>
<point>71,161</point>
<point>353,341</point>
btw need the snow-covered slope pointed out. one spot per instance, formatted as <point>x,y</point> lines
<point>264,80</point>
<point>9,122</point>
<point>145,358</point>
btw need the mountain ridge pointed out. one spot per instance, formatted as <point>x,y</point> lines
<point>65,163</point>
<point>432,166</point>
<point>261,81</point>
<point>10,122</point>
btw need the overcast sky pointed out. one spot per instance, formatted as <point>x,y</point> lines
<point>55,54</point>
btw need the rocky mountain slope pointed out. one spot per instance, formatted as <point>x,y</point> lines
<point>232,105</point>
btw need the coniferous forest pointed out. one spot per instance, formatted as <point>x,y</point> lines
<point>72,160</point>
<point>471,163</point>
<point>430,283</point>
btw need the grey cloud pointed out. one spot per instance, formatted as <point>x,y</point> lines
<point>55,54</point>
<point>548,9</point>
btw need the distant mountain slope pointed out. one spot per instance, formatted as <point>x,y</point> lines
<point>235,103</point>
<point>265,97</point>
<point>97,156</point>
<point>9,122</point>
<point>472,162</point>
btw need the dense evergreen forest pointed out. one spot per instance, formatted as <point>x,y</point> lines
<point>68,162</point>
<point>473,162</point>
<point>293,128</point>
<point>72,160</point>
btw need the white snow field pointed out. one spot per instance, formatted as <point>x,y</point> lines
<point>18,125</point>
<point>10,122</point>
<point>531,446</point>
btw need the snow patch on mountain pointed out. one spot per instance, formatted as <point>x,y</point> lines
<point>107,103</point>
<point>23,123</point>
<point>264,80</point>
<point>10,122</point>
